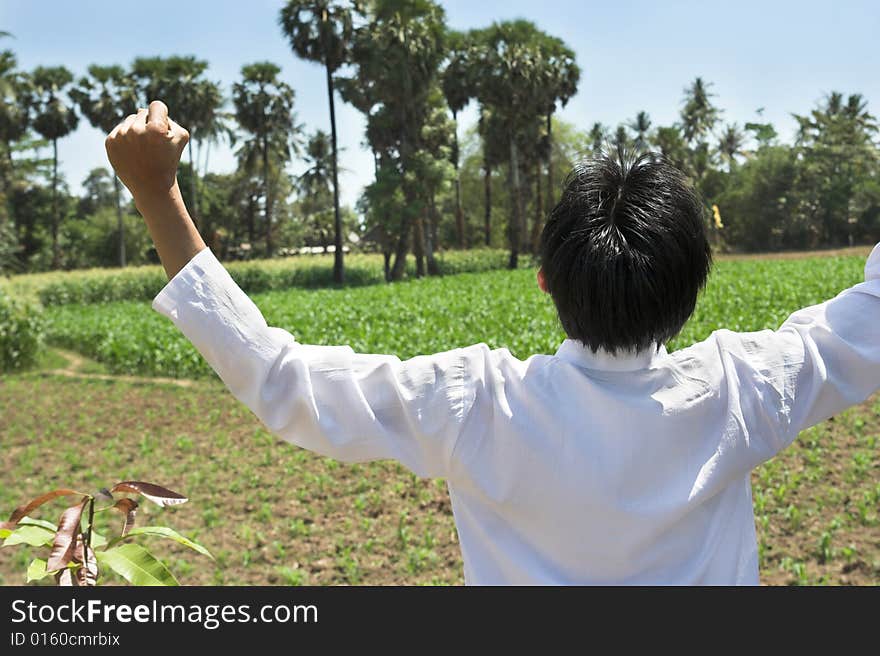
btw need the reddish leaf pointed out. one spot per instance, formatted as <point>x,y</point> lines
<point>26,509</point>
<point>155,493</point>
<point>65,537</point>
<point>127,507</point>
<point>86,576</point>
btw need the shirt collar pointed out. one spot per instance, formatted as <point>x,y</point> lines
<point>575,352</point>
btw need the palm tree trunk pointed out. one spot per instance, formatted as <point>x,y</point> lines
<point>268,204</point>
<point>251,219</point>
<point>419,246</point>
<point>539,210</point>
<point>487,189</point>
<point>56,221</point>
<point>338,265</point>
<point>435,222</point>
<point>515,220</point>
<point>400,251</point>
<point>459,212</point>
<point>192,186</point>
<point>119,222</point>
<point>550,191</point>
<point>9,168</point>
<point>431,239</point>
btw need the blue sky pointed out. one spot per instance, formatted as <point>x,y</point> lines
<point>778,54</point>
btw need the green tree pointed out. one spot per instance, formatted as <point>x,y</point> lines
<point>105,96</point>
<point>838,153</point>
<point>264,109</point>
<point>671,144</point>
<point>397,54</point>
<point>314,184</point>
<point>758,204</point>
<point>560,80</point>
<point>731,144</point>
<point>459,86</point>
<point>699,115</point>
<point>621,139</point>
<point>14,116</point>
<point>598,138</point>
<point>321,31</point>
<point>523,74</point>
<point>641,125</point>
<point>97,192</point>
<point>54,119</point>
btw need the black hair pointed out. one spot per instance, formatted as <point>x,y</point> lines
<point>625,252</point>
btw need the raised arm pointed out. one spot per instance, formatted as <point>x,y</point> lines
<point>820,361</point>
<point>324,398</point>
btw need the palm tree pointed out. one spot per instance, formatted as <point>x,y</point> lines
<point>314,183</point>
<point>264,109</point>
<point>640,126</point>
<point>458,88</point>
<point>699,115</point>
<point>671,144</point>
<point>397,55</point>
<point>731,144</point>
<point>698,119</point>
<point>495,150</point>
<point>512,68</point>
<point>14,111</point>
<point>621,140</point>
<point>522,73</point>
<point>104,97</point>
<point>54,119</point>
<point>321,31</point>
<point>598,135</point>
<point>561,76</point>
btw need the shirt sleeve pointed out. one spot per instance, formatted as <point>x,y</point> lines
<point>822,360</point>
<point>327,399</point>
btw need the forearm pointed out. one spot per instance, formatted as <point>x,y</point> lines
<point>171,228</point>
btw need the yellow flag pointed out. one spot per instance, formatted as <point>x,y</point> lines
<point>717,215</point>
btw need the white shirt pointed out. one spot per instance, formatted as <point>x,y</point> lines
<point>573,468</point>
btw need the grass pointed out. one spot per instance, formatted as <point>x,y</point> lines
<point>142,283</point>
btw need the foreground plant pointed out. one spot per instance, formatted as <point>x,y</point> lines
<point>78,554</point>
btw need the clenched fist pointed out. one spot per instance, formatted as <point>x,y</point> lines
<point>145,149</point>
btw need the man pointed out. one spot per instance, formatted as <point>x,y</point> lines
<point>610,462</point>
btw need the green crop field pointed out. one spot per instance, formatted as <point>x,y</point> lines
<point>274,514</point>
<point>501,308</point>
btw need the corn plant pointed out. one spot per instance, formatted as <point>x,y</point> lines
<point>78,553</point>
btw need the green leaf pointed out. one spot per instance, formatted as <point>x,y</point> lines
<point>4,533</point>
<point>164,532</point>
<point>35,536</point>
<point>37,570</point>
<point>98,540</point>
<point>136,565</point>
<point>30,521</point>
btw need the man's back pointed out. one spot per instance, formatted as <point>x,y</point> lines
<point>588,469</point>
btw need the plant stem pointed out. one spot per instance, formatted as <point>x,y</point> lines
<point>88,538</point>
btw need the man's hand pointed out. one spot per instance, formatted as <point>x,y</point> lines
<point>145,149</point>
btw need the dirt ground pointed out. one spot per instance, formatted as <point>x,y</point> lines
<point>861,251</point>
<point>273,514</point>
